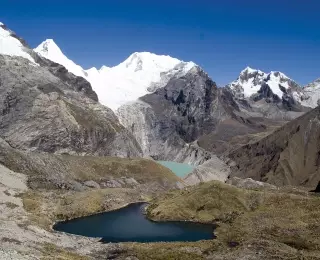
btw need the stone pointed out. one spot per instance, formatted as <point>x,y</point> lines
<point>131,181</point>
<point>112,184</point>
<point>92,184</point>
<point>213,169</point>
<point>249,183</point>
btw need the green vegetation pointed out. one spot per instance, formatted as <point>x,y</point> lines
<point>279,224</point>
<point>95,168</point>
<point>47,207</point>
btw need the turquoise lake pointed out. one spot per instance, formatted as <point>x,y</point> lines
<point>179,169</point>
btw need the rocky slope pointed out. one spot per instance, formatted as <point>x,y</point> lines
<point>175,111</point>
<point>312,94</point>
<point>69,172</point>
<point>288,156</point>
<point>38,189</point>
<point>45,108</point>
<point>191,112</point>
<point>168,121</point>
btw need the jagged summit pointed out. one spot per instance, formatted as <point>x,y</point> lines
<point>48,47</point>
<point>251,80</point>
<point>50,50</point>
<point>250,70</point>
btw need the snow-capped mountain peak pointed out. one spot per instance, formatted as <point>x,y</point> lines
<point>50,50</point>
<point>251,80</point>
<point>250,70</point>
<point>148,61</point>
<point>140,74</point>
<point>11,45</point>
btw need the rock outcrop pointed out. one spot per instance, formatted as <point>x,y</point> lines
<point>288,156</point>
<point>43,107</point>
<point>213,169</point>
<point>168,122</point>
<point>70,172</point>
<point>249,183</point>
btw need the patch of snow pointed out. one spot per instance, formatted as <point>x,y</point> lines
<point>1,24</point>
<point>275,81</point>
<point>251,70</point>
<point>12,46</point>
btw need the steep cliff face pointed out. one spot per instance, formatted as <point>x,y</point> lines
<point>168,122</point>
<point>312,94</point>
<point>288,156</point>
<point>44,107</point>
<point>190,111</point>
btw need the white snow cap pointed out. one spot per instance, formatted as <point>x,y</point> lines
<point>50,50</point>
<point>250,70</point>
<point>11,46</point>
<point>125,82</point>
<point>131,79</point>
<point>251,84</point>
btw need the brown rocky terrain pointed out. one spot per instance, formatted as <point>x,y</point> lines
<point>287,156</point>
<point>44,107</point>
<point>59,187</point>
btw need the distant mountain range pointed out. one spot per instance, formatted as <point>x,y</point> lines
<point>163,108</point>
<point>144,72</point>
<point>140,74</point>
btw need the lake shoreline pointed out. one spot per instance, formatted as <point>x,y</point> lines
<point>93,214</point>
<point>138,222</point>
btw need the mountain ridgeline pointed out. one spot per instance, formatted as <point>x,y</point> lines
<point>162,108</point>
<point>46,108</point>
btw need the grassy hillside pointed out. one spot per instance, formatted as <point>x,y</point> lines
<point>52,171</point>
<point>282,224</point>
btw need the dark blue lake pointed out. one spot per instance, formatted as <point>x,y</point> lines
<point>129,224</point>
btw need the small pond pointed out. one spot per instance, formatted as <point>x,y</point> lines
<point>129,224</point>
<point>179,169</point>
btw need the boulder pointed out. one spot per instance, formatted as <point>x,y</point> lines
<point>92,184</point>
<point>249,183</point>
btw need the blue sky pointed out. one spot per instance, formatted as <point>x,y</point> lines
<point>222,36</point>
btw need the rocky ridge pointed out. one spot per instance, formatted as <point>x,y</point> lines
<point>44,107</point>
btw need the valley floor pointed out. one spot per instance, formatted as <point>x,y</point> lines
<point>252,224</point>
